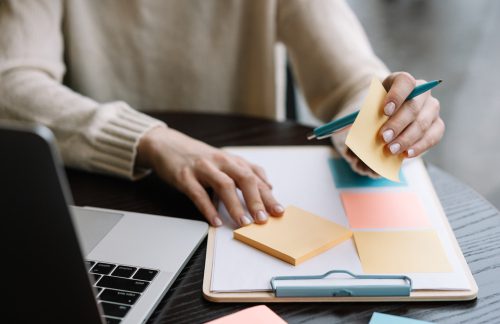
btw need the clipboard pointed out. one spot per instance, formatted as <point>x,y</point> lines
<point>338,293</point>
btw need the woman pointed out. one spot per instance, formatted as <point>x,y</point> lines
<point>87,68</point>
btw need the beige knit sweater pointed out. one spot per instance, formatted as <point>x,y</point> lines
<point>85,68</point>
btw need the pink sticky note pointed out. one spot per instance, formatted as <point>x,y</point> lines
<point>256,314</point>
<point>384,210</point>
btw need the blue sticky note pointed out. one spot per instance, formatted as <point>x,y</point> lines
<point>379,318</point>
<point>344,177</point>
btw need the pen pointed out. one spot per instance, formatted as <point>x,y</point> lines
<point>332,127</point>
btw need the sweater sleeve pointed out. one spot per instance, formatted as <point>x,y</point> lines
<point>99,137</point>
<point>330,54</point>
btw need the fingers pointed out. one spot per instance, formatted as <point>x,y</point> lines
<point>403,117</point>
<point>272,205</point>
<point>257,194</point>
<point>417,128</point>
<point>431,138</point>
<point>400,85</point>
<point>247,181</point>
<point>224,187</point>
<point>195,191</point>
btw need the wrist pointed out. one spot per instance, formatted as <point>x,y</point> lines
<point>148,146</point>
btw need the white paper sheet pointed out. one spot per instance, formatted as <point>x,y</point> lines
<point>301,176</point>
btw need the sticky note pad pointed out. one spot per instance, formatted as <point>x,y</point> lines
<point>256,314</point>
<point>345,177</point>
<point>384,210</point>
<point>294,237</point>
<point>364,138</point>
<point>401,252</point>
<point>380,318</point>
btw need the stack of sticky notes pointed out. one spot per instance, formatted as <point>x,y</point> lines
<point>392,231</point>
<point>294,237</point>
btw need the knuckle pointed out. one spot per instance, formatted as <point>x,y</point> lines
<point>407,77</point>
<point>423,124</point>
<point>202,163</point>
<point>226,184</point>
<point>247,177</point>
<point>441,129</point>
<point>197,194</point>
<point>183,176</point>
<point>220,157</point>
<point>396,124</point>
<point>404,141</point>
<point>413,107</point>
<point>435,104</point>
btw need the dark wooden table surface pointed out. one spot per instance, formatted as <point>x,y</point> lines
<point>475,222</point>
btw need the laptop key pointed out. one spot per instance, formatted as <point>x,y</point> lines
<point>103,268</point>
<point>109,320</point>
<point>123,271</point>
<point>123,284</point>
<point>114,310</point>
<point>96,277</point>
<point>145,274</point>
<point>118,296</point>
<point>89,264</point>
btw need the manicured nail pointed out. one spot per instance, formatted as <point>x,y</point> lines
<point>394,148</point>
<point>217,221</point>
<point>279,209</point>
<point>245,221</point>
<point>389,108</point>
<point>261,216</point>
<point>411,152</point>
<point>388,135</point>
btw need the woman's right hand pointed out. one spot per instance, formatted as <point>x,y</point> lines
<point>191,166</point>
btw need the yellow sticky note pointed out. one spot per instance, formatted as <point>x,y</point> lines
<point>364,138</point>
<point>294,237</point>
<point>401,252</point>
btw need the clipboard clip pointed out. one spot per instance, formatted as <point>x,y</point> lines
<point>347,285</point>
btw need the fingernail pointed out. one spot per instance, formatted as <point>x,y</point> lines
<point>388,135</point>
<point>389,108</point>
<point>411,152</point>
<point>261,216</point>
<point>245,221</point>
<point>217,221</point>
<point>279,209</point>
<point>394,148</point>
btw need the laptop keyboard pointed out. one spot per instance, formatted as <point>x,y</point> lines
<point>119,287</point>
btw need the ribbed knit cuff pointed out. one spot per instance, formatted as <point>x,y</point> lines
<point>116,139</point>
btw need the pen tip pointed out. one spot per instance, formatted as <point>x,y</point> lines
<point>440,81</point>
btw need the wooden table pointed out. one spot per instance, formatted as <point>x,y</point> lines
<point>476,224</point>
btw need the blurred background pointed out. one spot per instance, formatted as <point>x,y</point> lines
<point>457,41</point>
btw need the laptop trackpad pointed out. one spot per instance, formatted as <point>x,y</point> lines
<point>92,226</point>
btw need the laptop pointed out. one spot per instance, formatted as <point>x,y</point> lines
<point>79,265</point>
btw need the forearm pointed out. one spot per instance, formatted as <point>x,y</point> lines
<point>92,136</point>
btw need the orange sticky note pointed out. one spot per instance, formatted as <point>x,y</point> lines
<point>294,237</point>
<point>364,138</point>
<point>384,210</point>
<point>256,314</point>
<point>401,252</point>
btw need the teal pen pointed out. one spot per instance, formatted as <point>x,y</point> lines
<point>332,127</point>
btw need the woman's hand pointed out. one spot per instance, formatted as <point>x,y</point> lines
<point>191,166</point>
<point>413,127</point>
